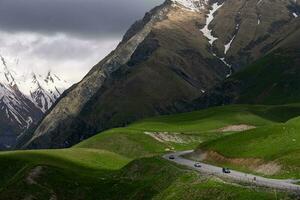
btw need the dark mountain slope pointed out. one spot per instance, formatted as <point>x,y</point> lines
<point>164,60</point>
<point>273,79</point>
<point>252,27</point>
<point>145,76</point>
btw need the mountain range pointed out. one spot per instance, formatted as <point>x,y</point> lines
<point>179,52</point>
<point>24,99</point>
<point>215,81</point>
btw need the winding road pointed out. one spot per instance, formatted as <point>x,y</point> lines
<point>234,175</point>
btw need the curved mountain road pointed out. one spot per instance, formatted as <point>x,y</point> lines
<point>234,175</point>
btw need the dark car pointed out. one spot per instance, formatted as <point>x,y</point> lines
<point>171,157</point>
<point>226,170</point>
<point>197,165</point>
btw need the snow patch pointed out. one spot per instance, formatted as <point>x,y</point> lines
<point>211,39</point>
<point>193,5</point>
<point>210,17</point>
<point>223,60</point>
<point>228,45</point>
<point>43,90</point>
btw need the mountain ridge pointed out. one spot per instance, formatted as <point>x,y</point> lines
<point>164,61</point>
<point>23,100</point>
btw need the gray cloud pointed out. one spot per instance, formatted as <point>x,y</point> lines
<point>98,18</point>
<point>69,57</point>
<point>65,36</point>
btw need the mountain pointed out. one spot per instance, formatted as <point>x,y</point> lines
<point>273,79</point>
<point>23,100</point>
<point>178,52</point>
<point>44,91</point>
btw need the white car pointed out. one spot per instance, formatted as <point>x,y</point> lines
<point>197,165</point>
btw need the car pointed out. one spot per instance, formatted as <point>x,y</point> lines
<point>226,170</point>
<point>171,157</point>
<point>197,165</point>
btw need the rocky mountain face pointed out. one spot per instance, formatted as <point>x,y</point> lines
<point>273,79</point>
<point>44,91</point>
<point>23,100</point>
<point>175,54</point>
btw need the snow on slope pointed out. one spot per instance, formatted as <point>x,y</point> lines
<point>24,97</point>
<point>193,5</point>
<point>210,17</point>
<point>228,45</point>
<point>15,106</point>
<point>42,90</point>
<point>211,39</point>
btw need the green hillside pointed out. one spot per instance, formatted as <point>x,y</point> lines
<point>192,128</point>
<point>42,177</point>
<point>277,143</point>
<point>124,162</point>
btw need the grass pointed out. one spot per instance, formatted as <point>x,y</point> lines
<point>86,161</point>
<point>127,142</point>
<point>272,140</point>
<point>68,158</point>
<point>191,188</point>
<point>147,178</point>
<point>132,141</point>
<point>277,142</point>
<point>122,164</point>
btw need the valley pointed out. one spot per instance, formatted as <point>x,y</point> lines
<point>208,81</point>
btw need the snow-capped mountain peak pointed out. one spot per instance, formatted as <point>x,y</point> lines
<point>193,5</point>
<point>44,91</point>
<point>24,98</point>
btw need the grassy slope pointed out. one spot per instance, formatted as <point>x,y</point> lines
<point>86,161</point>
<point>277,142</point>
<point>148,178</point>
<point>97,168</point>
<point>132,142</point>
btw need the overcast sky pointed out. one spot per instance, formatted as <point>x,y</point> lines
<point>65,36</point>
